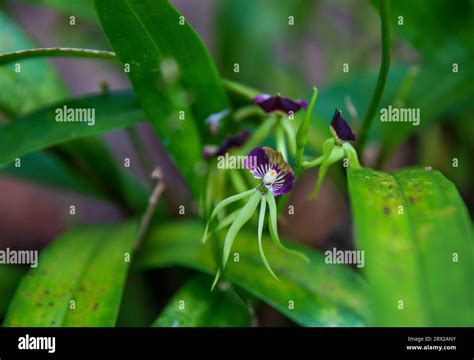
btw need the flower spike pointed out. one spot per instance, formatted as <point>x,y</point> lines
<point>276,178</point>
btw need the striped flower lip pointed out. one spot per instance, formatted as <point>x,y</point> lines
<point>269,166</point>
<point>270,103</point>
<point>340,128</point>
<point>232,141</point>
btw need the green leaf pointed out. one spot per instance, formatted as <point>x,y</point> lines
<point>50,170</point>
<point>41,129</point>
<point>10,276</point>
<point>36,85</point>
<point>87,266</point>
<point>322,294</point>
<point>194,305</point>
<point>412,225</point>
<point>159,41</point>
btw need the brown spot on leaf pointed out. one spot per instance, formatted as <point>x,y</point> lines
<point>386,210</point>
<point>95,306</point>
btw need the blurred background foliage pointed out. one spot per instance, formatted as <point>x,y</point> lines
<point>273,56</point>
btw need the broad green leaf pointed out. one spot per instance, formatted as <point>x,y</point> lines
<point>417,238</point>
<point>35,85</point>
<point>10,276</point>
<point>194,305</point>
<point>159,43</point>
<point>86,266</point>
<point>322,294</point>
<point>41,129</point>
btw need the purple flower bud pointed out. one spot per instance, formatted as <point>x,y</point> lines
<point>278,103</point>
<point>340,128</point>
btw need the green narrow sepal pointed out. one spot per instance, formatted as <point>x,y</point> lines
<point>272,223</point>
<point>222,205</point>
<point>244,215</point>
<point>261,220</point>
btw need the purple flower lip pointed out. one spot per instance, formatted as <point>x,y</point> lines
<point>340,128</point>
<point>231,142</point>
<point>270,103</point>
<point>269,166</point>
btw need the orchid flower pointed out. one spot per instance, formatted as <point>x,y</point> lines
<point>335,149</point>
<point>276,178</point>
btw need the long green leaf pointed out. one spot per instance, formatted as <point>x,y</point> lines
<point>194,305</point>
<point>31,85</point>
<point>78,282</point>
<point>417,238</point>
<point>322,294</point>
<point>41,129</point>
<point>158,40</point>
<point>10,276</point>
<point>49,170</point>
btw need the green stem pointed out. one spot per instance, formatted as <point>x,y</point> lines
<point>311,164</point>
<point>280,140</point>
<point>302,134</point>
<point>239,89</point>
<point>56,52</point>
<point>383,72</point>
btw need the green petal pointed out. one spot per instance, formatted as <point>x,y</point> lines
<point>244,215</point>
<point>222,205</point>
<point>337,153</point>
<point>274,228</point>
<point>261,220</point>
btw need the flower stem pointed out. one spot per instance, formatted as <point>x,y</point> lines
<point>152,202</point>
<point>280,140</point>
<point>310,164</point>
<point>302,134</point>
<point>384,10</point>
<point>56,52</point>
